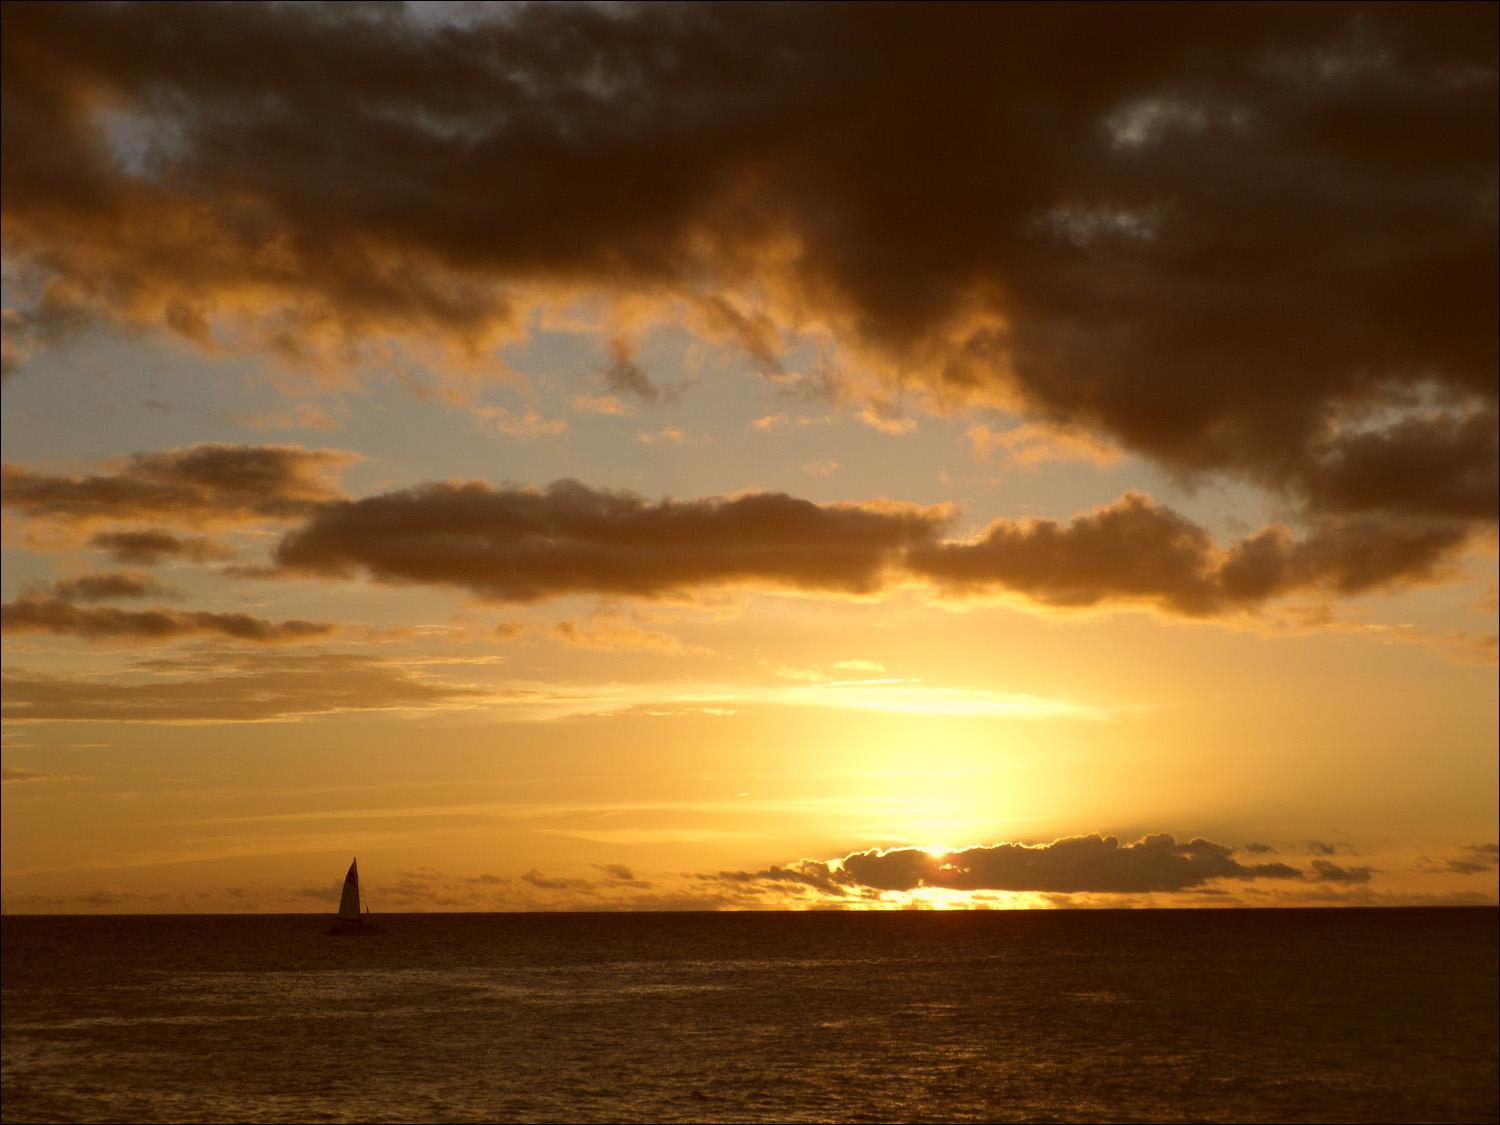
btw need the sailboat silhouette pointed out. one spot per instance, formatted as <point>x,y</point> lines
<point>350,919</point>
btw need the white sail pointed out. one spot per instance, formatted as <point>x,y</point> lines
<point>349,900</point>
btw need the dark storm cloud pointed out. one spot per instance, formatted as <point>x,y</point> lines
<point>1259,240</point>
<point>1441,465</point>
<point>41,613</point>
<point>523,544</point>
<point>203,484</point>
<point>1072,865</point>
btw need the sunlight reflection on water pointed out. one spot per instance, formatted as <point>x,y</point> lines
<point>1292,1015</point>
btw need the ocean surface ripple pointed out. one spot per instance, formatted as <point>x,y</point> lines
<point>1234,1015</point>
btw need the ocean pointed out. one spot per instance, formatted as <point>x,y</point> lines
<point>1225,1015</point>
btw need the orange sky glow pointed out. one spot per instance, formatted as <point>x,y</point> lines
<point>749,457</point>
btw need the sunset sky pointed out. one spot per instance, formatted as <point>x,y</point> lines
<point>689,456</point>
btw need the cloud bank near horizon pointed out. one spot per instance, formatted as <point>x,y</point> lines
<point>1092,864</point>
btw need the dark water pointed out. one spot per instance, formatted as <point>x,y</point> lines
<point>1338,1015</point>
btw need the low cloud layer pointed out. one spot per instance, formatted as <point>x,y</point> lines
<point>1091,865</point>
<point>42,613</point>
<point>1072,865</point>
<point>154,545</point>
<point>202,485</point>
<point>16,775</point>
<point>1326,871</point>
<point>258,688</point>
<point>1137,550</point>
<point>1254,241</point>
<point>111,586</point>
<point>522,545</point>
<point>1471,859</point>
<point>56,612</point>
